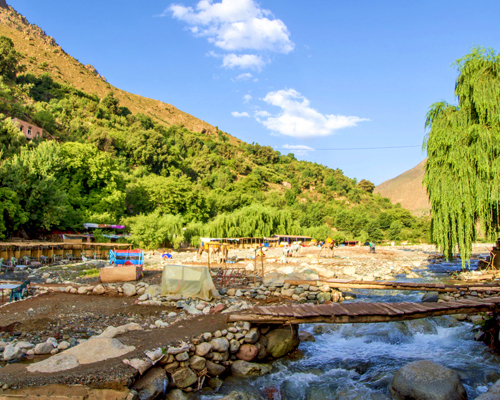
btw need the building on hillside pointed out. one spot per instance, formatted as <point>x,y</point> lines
<point>29,130</point>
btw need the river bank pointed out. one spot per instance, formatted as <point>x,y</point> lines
<point>63,316</point>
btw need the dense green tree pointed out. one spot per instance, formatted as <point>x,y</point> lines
<point>462,173</point>
<point>366,185</point>
<point>9,59</point>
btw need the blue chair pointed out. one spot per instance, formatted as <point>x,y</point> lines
<point>16,294</point>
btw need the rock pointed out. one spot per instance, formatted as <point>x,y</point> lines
<point>217,309</point>
<point>237,395</point>
<point>203,349</point>
<point>182,356</point>
<point>191,309</point>
<point>324,297</point>
<point>63,345</point>
<point>160,324</point>
<point>177,394</point>
<point>59,362</point>
<point>43,348</point>
<point>25,345</point>
<point>12,353</point>
<point>216,356</point>
<point>180,349</point>
<point>287,292</point>
<point>274,278</point>
<point>111,331</point>
<point>220,344</point>
<point>129,289</point>
<point>154,355</point>
<point>215,383</point>
<point>492,394</point>
<point>45,275</point>
<point>247,352</point>
<point>231,292</point>
<point>245,368</point>
<point>197,363</point>
<point>143,297</point>
<point>99,289</point>
<point>234,346</point>
<point>184,377</point>
<point>350,271</point>
<point>98,349</point>
<point>252,336</point>
<point>171,367</point>
<point>214,369</point>
<point>82,290</point>
<point>153,290</point>
<point>281,342</point>
<point>151,385</point>
<point>426,380</point>
<point>138,364</point>
<point>306,337</point>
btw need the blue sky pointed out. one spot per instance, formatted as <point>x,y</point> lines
<point>290,74</point>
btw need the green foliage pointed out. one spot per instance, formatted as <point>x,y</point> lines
<point>166,183</point>
<point>155,230</point>
<point>366,185</point>
<point>463,146</point>
<point>9,59</point>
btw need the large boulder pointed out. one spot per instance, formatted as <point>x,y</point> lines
<point>57,363</point>
<point>100,349</point>
<point>151,385</point>
<point>245,368</point>
<point>426,380</point>
<point>281,342</point>
<point>184,377</point>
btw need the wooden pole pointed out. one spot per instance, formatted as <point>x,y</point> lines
<point>255,268</point>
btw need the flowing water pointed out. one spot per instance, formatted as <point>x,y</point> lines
<point>358,361</point>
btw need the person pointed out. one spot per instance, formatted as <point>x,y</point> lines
<point>372,247</point>
<point>329,240</point>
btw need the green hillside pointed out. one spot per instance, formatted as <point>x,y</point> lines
<point>104,162</point>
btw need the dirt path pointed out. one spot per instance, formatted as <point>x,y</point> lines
<point>60,314</point>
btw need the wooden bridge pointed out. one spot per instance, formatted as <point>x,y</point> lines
<point>336,313</point>
<point>390,285</point>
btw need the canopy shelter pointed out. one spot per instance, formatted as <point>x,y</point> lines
<point>126,257</point>
<point>89,225</point>
<point>292,238</point>
<point>187,281</point>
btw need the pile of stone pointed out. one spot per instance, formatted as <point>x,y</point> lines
<point>17,349</point>
<point>241,350</point>
<point>150,295</point>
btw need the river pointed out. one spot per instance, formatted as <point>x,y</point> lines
<point>358,361</point>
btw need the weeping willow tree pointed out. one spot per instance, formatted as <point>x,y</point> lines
<point>463,146</point>
<point>253,221</point>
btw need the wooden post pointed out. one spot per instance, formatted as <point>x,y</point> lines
<point>209,270</point>
<point>262,264</point>
<point>255,268</point>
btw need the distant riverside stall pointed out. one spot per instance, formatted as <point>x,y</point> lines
<point>48,251</point>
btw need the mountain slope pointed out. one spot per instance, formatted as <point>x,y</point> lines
<point>41,54</point>
<point>408,190</point>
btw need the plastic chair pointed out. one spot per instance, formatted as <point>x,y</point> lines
<point>16,294</point>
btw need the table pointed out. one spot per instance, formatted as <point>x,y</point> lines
<point>8,286</point>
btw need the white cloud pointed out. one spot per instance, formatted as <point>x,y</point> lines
<point>237,114</point>
<point>244,61</point>
<point>247,98</point>
<point>262,114</point>
<point>243,77</point>
<point>298,119</point>
<point>235,25</point>
<point>297,147</point>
